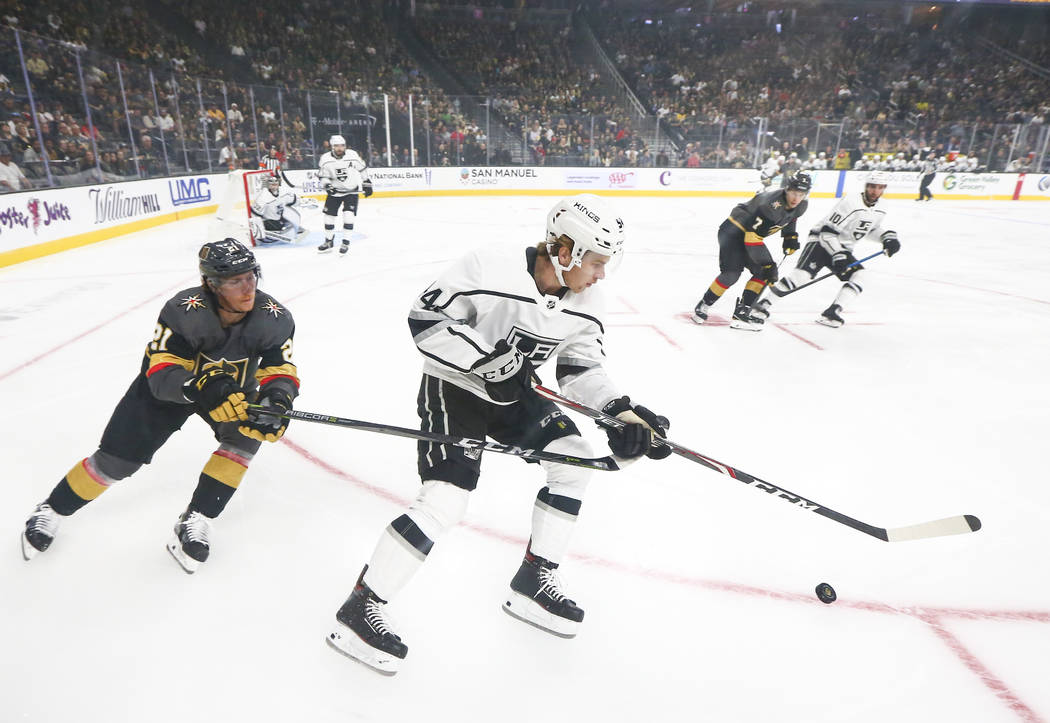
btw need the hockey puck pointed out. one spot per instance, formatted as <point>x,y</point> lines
<point>826,593</point>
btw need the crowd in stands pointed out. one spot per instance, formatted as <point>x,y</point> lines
<point>200,88</point>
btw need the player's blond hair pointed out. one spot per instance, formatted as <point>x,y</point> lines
<point>563,240</point>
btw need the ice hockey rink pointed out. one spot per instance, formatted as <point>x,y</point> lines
<point>931,401</point>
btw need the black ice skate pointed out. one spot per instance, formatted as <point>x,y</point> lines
<point>364,633</point>
<point>344,247</point>
<point>761,309</point>
<point>831,317</point>
<point>700,313</point>
<point>536,598</point>
<point>744,318</point>
<point>40,530</point>
<point>190,546</point>
<point>328,245</point>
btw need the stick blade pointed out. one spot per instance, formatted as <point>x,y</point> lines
<point>958,525</point>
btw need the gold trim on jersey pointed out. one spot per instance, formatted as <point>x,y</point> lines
<point>284,370</point>
<point>753,239</point>
<point>225,470</point>
<point>165,358</point>
<point>737,224</point>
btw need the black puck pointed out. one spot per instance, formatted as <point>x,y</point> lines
<point>826,593</point>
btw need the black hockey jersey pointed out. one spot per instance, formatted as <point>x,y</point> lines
<point>189,339</point>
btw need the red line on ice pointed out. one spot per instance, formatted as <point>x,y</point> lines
<point>932,616</point>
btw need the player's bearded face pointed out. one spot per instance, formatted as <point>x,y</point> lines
<point>590,272</point>
<point>874,192</point>
<point>237,293</point>
<point>338,150</point>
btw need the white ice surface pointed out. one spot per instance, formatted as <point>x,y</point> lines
<point>931,401</point>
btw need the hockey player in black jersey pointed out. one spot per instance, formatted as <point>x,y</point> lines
<point>481,328</point>
<point>741,244</point>
<point>215,348</point>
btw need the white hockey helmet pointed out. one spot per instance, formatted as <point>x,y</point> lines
<point>591,224</point>
<point>337,140</point>
<point>878,178</point>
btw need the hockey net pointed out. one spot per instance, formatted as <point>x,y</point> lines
<point>232,220</point>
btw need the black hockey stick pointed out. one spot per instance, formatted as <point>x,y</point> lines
<point>828,275</point>
<point>937,528</point>
<point>605,464</point>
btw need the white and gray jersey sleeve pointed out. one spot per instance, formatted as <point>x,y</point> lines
<point>345,174</point>
<point>270,207</point>
<point>489,295</point>
<point>850,221</point>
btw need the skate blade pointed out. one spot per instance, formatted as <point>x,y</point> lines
<point>348,643</point>
<point>28,551</point>
<point>697,319</point>
<point>528,611</point>
<point>828,322</point>
<point>744,326</point>
<point>325,251</point>
<point>186,562</point>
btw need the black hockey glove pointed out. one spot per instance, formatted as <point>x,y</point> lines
<point>840,263</point>
<point>329,187</point>
<point>790,245</point>
<point>637,437</point>
<point>263,426</point>
<point>367,186</point>
<point>768,274</point>
<point>507,373</point>
<point>890,244</point>
<point>217,392</point>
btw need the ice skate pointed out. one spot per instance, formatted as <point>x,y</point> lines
<point>700,313</point>
<point>344,247</point>
<point>40,530</point>
<point>363,631</point>
<point>189,546</point>
<point>831,317</point>
<point>761,309</point>
<point>536,598</point>
<point>325,247</point>
<point>744,319</point>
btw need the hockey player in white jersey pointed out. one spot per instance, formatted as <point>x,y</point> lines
<point>482,328</point>
<point>856,217</point>
<point>345,177</point>
<point>275,215</point>
<point>769,170</point>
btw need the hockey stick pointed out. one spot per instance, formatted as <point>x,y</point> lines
<point>605,464</point>
<point>937,528</point>
<point>828,275</point>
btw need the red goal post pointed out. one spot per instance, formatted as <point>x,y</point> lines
<point>235,209</point>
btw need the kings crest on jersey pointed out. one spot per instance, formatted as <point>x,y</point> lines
<point>491,294</point>
<point>189,336</point>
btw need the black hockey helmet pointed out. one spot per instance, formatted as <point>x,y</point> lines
<point>223,259</point>
<point>800,181</point>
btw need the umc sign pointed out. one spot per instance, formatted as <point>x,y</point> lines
<point>186,191</point>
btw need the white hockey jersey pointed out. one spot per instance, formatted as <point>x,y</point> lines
<point>490,294</point>
<point>270,206</point>
<point>850,221</point>
<point>345,174</point>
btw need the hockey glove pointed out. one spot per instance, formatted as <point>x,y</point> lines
<point>506,372</point>
<point>840,263</point>
<point>890,244</point>
<point>268,427</point>
<point>768,274</point>
<point>790,245</point>
<point>367,186</point>
<point>637,437</point>
<point>329,187</point>
<point>216,391</point>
